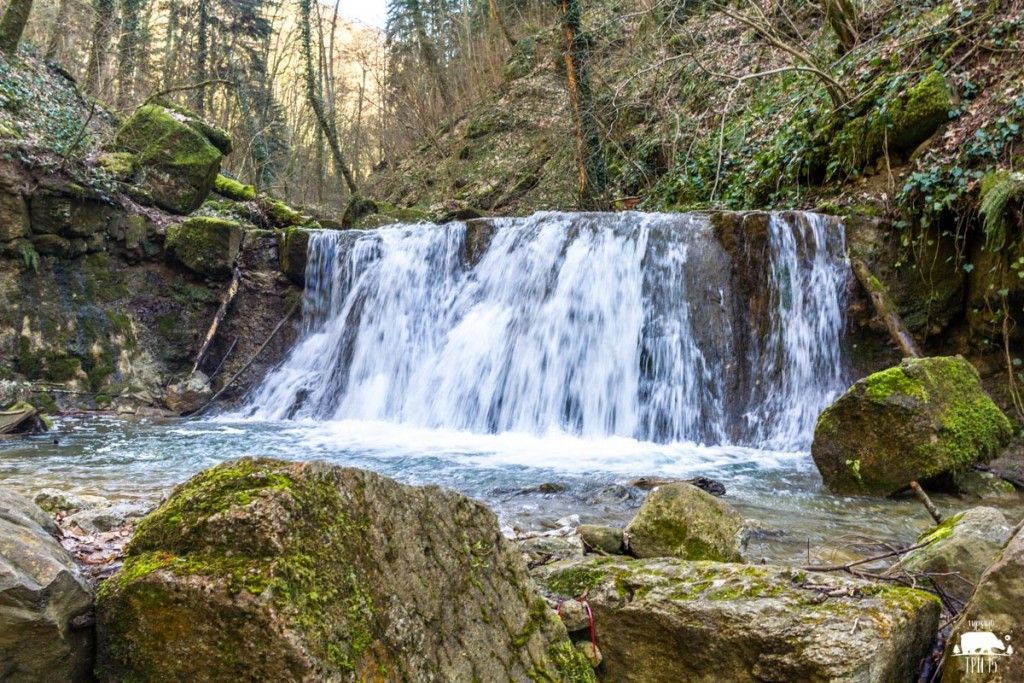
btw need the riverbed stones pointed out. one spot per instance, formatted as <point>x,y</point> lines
<point>921,419</point>
<point>680,520</point>
<point>959,550</point>
<point>45,604</point>
<point>260,569</point>
<point>995,608</point>
<point>189,394</point>
<point>176,162</point>
<point>666,620</point>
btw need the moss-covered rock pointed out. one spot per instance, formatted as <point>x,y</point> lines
<point>206,246</point>
<point>292,246</point>
<point>602,539</point>
<point>923,418</point>
<point>232,189</point>
<point>680,520</point>
<point>672,620</point>
<point>267,570</point>
<point>120,165</point>
<point>177,164</point>
<point>357,209</point>
<point>958,551</point>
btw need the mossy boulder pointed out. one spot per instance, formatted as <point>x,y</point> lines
<point>176,163</point>
<point>921,419</point>
<point>261,569</point>
<point>898,125</point>
<point>996,607</point>
<point>959,550</point>
<point>680,520</point>
<point>206,246</point>
<point>667,620</point>
<point>601,539</point>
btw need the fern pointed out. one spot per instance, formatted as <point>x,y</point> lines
<point>998,190</point>
<point>30,256</point>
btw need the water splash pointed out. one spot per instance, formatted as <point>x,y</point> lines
<point>630,325</point>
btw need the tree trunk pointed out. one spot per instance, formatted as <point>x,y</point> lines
<point>842,17</point>
<point>127,49</point>
<point>170,38</point>
<point>499,18</point>
<point>202,55</point>
<point>13,25</point>
<point>102,27</point>
<point>316,99</point>
<point>57,31</point>
<point>590,162</point>
<point>429,53</point>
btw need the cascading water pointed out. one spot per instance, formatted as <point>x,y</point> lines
<point>634,325</point>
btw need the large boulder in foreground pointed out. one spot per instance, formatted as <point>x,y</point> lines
<point>959,550</point>
<point>666,620</point>
<point>992,622</point>
<point>260,569</point>
<point>176,160</point>
<point>921,419</point>
<point>45,603</point>
<point>680,520</point>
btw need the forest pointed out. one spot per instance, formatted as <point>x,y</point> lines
<point>512,340</point>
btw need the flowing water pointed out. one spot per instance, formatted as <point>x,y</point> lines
<point>577,349</point>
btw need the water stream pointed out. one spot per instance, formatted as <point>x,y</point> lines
<point>582,350</point>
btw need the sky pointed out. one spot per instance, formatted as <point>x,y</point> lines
<point>372,12</point>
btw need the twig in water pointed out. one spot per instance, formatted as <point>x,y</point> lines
<point>926,501</point>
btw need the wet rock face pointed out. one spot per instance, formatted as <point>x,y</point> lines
<point>680,520</point>
<point>176,158</point>
<point>666,620</point>
<point>995,608</point>
<point>45,604</point>
<point>261,569</point>
<point>922,419</point>
<point>958,551</point>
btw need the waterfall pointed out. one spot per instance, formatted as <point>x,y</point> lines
<point>631,324</point>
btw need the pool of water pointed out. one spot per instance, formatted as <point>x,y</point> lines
<point>140,460</point>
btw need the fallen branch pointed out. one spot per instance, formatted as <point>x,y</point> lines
<point>252,360</point>
<point>190,86</point>
<point>926,501</point>
<point>867,560</point>
<point>222,311</point>
<point>885,308</point>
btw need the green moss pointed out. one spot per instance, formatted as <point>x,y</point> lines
<point>205,245</point>
<point>120,165</point>
<point>881,385</point>
<point>573,581</point>
<point>62,368</point>
<point>232,189</point>
<point>941,531</point>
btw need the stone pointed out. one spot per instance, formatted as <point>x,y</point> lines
<point>680,520</point>
<point>591,652</point>
<point>120,165</point>
<point>102,519</point>
<point>188,395</point>
<point>14,215</point>
<point>260,569</point>
<point>206,246</point>
<point>924,418</point>
<point>574,615</point>
<point>600,538</point>
<point>292,254</point>
<point>666,620</point>
<point>357,209</point>
<point>984,486</point>
<point>995,608</point>
<point>544,549</point>
<point>959,550</point>
<point>56,501</point>
<point>715,488</point>
<point>45,603</point>
<point>176,163</point>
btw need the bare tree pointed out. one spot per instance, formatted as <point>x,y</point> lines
<point>12,25</point>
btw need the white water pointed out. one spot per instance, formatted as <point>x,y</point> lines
<point>598,325</point>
